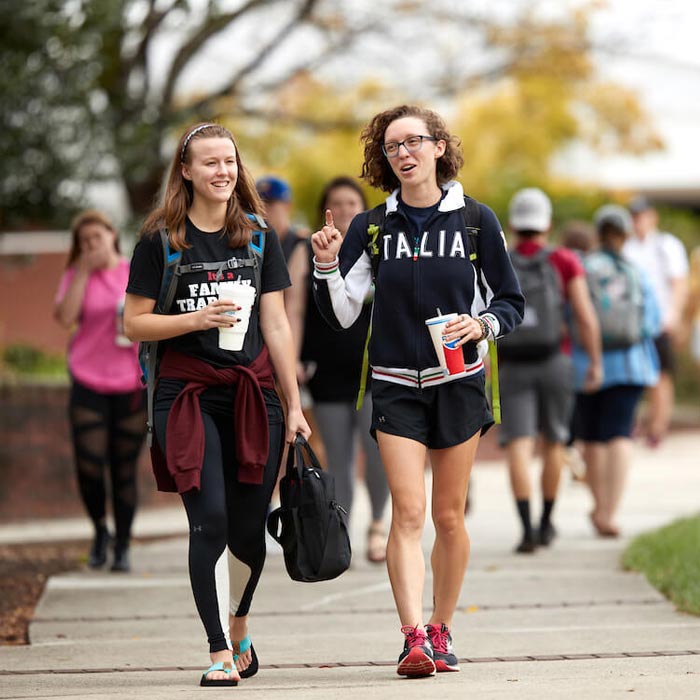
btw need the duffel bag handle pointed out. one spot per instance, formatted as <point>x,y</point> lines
<point>295,457</point>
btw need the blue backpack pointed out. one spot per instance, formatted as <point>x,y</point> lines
<point>149,351</point>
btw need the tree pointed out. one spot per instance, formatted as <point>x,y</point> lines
<point>112,81</point>
<point>87,69</point>
<point>45,122</point>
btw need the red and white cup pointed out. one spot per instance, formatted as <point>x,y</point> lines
<point>450,356</point>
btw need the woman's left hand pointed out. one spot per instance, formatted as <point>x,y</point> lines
<point>465,328</point>
<point>296,424</point>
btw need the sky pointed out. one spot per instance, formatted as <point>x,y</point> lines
<point>663,66</point>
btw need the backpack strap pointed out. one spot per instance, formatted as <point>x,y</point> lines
<point>375,226</point>
<point>148,351</point>
<point>472,225</point>
<point>172,270</point>
<point>471,215</point>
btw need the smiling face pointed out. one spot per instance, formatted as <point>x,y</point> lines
<point>417,168</point>
<point>212,169</point>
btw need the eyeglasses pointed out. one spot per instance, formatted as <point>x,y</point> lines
<point>411,144</point>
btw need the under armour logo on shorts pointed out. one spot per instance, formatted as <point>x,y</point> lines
<point>381,419</point>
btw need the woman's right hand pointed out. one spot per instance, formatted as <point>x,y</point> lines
<point>215,315</point>
<point>93,259</point>
<point>326,242</point>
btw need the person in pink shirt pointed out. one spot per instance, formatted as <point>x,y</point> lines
<point>107,409</point>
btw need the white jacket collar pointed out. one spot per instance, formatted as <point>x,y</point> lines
<point>453,200</point>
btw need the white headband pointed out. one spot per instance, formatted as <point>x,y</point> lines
<point>189,136</point>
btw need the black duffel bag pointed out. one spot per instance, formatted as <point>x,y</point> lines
<point>310,526</point>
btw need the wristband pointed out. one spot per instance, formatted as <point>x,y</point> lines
<point>484,329</point>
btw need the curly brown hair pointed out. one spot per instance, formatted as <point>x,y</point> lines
<point>178,195</point>
<point>376,169</point>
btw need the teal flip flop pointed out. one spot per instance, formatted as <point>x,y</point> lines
<point>227,668</point>
<point>243,646</point>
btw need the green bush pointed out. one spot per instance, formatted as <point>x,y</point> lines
<point>26,360</point>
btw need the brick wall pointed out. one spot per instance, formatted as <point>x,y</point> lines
<point>28,285</point>
<point>36,462</point>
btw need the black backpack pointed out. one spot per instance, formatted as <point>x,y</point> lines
<point>150,351</point>
<point>314,531</point>
<point>539,335</point>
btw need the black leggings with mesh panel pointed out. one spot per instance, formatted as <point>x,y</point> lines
<point>226,517</point>
<point>108,430</point>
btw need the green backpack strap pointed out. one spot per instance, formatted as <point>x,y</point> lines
<point>375,226</point>
<point>472,224</point>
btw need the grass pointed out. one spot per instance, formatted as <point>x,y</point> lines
<point>670,559</point>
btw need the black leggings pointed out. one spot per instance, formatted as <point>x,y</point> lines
<point>107,429</point>
<point>225,513</point>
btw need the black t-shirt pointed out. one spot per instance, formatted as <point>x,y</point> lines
<point>196,289</point>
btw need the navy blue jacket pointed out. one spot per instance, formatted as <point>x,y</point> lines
<point>412,287</point>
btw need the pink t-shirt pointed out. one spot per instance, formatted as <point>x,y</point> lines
<point>99,355</point>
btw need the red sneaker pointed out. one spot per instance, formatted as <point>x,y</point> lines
<point>416,659</point>
<point>443,653</point>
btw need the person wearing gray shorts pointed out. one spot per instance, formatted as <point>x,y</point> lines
<point>536,373</point>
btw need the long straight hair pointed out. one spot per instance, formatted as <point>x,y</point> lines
<point>179,195</point>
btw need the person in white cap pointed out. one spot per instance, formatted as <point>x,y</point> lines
<point>536,378</point>
<point>664,259</point>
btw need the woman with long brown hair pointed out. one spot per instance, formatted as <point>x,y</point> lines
<point>107,409</point>
<point>219,426</point>
<point>418,252</point>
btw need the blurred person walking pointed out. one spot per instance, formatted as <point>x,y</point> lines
<point>663,258</point>
<point>107,409</point>
<point>691,325</point>
<point>219,427</point>
<point>425,262</point>
<point>276,195</point>
<point>331,365</point>
<point>629,319</point>
<point>537,393</point>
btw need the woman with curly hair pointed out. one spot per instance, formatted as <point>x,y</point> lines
<point>435,251</point>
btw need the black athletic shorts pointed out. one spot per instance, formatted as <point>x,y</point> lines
<point>667,356</point>
<point>606,414</point>
<point>438,416</point>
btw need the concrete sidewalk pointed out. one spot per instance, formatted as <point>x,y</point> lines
<point>564,622</point>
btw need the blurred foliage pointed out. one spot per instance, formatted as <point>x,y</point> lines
<point>27,360</point>
<point>543,99</point>
<point>92,103</point>
<point>44,118</point>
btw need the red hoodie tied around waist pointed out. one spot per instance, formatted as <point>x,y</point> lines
<point>180,468</point>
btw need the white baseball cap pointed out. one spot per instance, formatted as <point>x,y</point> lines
<point>530,210</point>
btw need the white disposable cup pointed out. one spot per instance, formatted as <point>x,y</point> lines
<point>451,358</point>
<point>243,295</point>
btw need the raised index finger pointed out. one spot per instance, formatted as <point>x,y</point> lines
<point>329,218</point>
